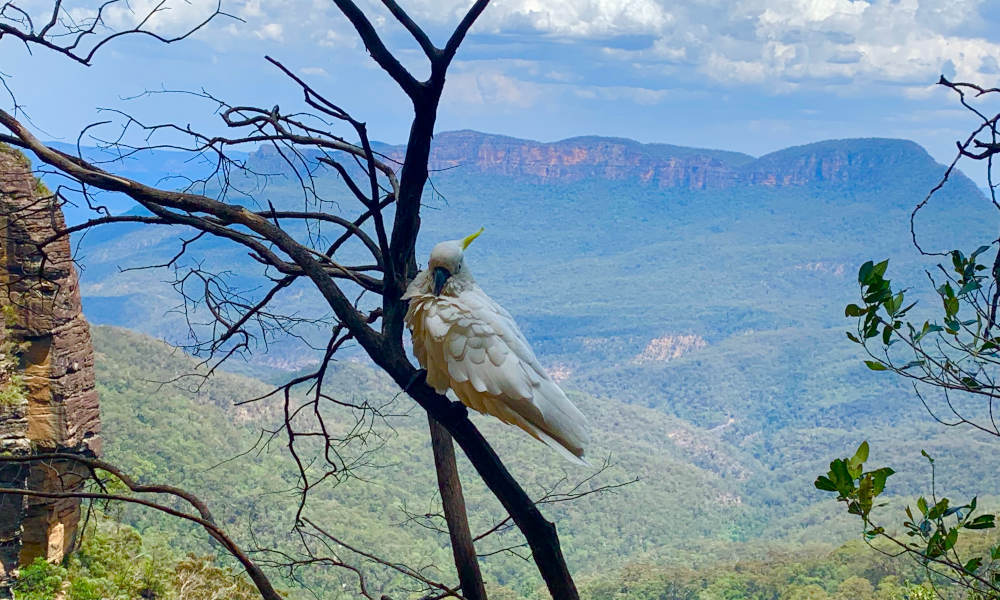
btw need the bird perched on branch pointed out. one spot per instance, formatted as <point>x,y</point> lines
<point>470,344</point>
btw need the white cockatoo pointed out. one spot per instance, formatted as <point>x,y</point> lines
<point>470,344</point>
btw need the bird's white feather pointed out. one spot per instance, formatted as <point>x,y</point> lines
<point>470,344</point>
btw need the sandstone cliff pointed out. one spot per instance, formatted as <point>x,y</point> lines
<point>663,165</point>
<point>55,407</point>
<point>850,162</point>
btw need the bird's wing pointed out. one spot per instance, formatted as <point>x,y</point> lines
<point>472,344</point>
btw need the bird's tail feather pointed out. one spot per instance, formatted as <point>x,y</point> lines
<point>559,448</point>
<point>503,412</point>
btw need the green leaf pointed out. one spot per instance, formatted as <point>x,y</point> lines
<point>978,251</point>
<point>935,545</point>
<point>968,287</point>
<point>892,305</point>
<point>823,482</point>
<point>865,272</point>
<point>981,522</point>
<point>973,565</point>
<point>878,480</point>
<point>861,455</point>
<point>922,505</point>
<point>971,383</point>
<point>880,268</point>
<point>853,337</point>
<point>950,539</point>
<point>951,306</point>
<point>876,366</point>
<point>841,477</point>
<point>927,328</point>
<point>865,496</point>
<point>930,328</point>
<point>853,310</point>
<point>938,509</point>
<point>957,260</point>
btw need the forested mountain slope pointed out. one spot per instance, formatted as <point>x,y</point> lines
<point>698,499</point>
<point>188,433</point>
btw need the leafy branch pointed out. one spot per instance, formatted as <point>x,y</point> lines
<point>934,530</point>
<point>957,353</point>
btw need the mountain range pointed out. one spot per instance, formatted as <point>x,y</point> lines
<point>659,166</point>
<point>702,285</point>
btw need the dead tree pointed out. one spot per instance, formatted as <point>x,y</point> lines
<point>200,515</point>
<point>365,298</point>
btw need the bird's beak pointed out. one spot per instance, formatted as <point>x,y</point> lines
<point>441,276</point>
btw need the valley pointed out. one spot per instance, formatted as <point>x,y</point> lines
<point>690,301</point>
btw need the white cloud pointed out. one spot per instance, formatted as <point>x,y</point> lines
<point>903,42</point>
<point>570,18</point>
<point>251,9</point>
<point>634,95</point>
<point>586,18</point>
<point>779,43</point>
<point>316,71</point>
<point>173,17</point>
<point>490,87</point>
<point>333,38</point>
<point>271,31</point>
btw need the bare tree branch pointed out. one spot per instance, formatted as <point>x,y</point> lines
<point>303,143</point>
<point>203,518</point>
<point>16,22</point>
<point>377,49</point>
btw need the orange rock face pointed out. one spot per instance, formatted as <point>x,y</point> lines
<point>58,409</point>
<point>575,160</point>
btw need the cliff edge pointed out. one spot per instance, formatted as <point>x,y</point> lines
<point>48,401</point>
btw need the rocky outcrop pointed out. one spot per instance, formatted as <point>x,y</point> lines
<point>55,408</point>
<point>863,161</point>
<point>576,159</point>
<point>669,347</point>
<point>835,162</point>
<point>665,166</point>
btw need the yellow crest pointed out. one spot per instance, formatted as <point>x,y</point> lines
<point>468,240</point>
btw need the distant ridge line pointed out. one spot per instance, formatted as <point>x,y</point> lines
<point>669,166</point>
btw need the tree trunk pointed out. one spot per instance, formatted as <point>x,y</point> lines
<point>450,486</point>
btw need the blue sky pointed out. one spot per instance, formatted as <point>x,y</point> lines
<point>746,75</point>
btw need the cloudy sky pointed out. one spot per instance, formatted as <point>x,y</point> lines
<point>747,75</point>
